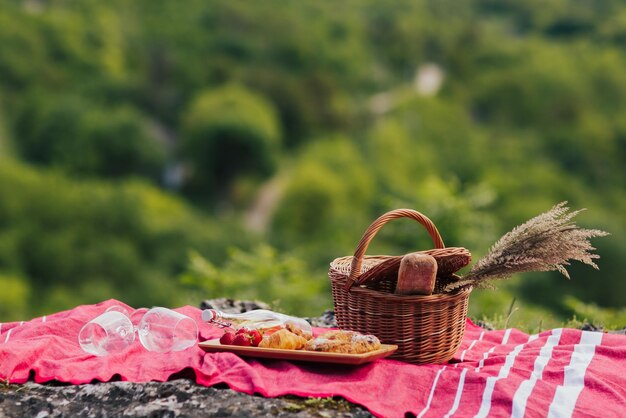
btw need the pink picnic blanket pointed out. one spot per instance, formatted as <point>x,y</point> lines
<point>559,373</point>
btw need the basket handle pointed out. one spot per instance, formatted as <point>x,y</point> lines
<point>369,234</point>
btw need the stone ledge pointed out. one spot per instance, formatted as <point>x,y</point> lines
<point>177,398</point>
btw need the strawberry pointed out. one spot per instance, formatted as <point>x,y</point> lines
<point>242,340</point>
<point>255,337</point>
<point>227,338</point>
<point>242,331</point>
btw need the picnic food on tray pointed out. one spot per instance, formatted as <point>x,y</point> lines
<point>293,338</point>
<point>267,329</point>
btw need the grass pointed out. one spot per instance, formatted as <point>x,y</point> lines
<point>5,386</point>
<point>316,405</point>
<point>501,309</point>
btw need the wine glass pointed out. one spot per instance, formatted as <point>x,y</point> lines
<point>163,330</point>
<point>110,332</point>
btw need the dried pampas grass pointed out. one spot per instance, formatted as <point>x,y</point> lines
<point>544,243</point>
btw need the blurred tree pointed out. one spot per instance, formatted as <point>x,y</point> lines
<point>529,113</point>
<point>6,147</point>
<point>326,202</point>
<point>124,144</point>
<point>80,138</point>
<point>13,298</point>
<point>567,98</point>
<point>21,62</point>
<point>228,132</point>
<point>90,240</point>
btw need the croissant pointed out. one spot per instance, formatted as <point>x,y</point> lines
<point>339,341</point>
<point>294,329</point>
<point>283,339</point>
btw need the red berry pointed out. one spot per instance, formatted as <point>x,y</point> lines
<point>242,331</point>
<point>242,340</point>
<point>256,337</point>
<point>227,338</point>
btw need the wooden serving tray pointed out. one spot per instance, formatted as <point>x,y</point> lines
<point>214,346</point>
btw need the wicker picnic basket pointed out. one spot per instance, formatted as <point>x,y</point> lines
<point>427,329</point>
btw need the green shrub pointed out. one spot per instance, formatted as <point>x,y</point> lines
<point>608,318</point>
<point>262,274</point>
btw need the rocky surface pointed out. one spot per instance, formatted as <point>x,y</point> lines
<point>177,398</point>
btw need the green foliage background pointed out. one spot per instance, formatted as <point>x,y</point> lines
<point>161,154</point>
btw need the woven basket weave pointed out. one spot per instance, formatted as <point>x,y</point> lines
<point>427,329</point>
